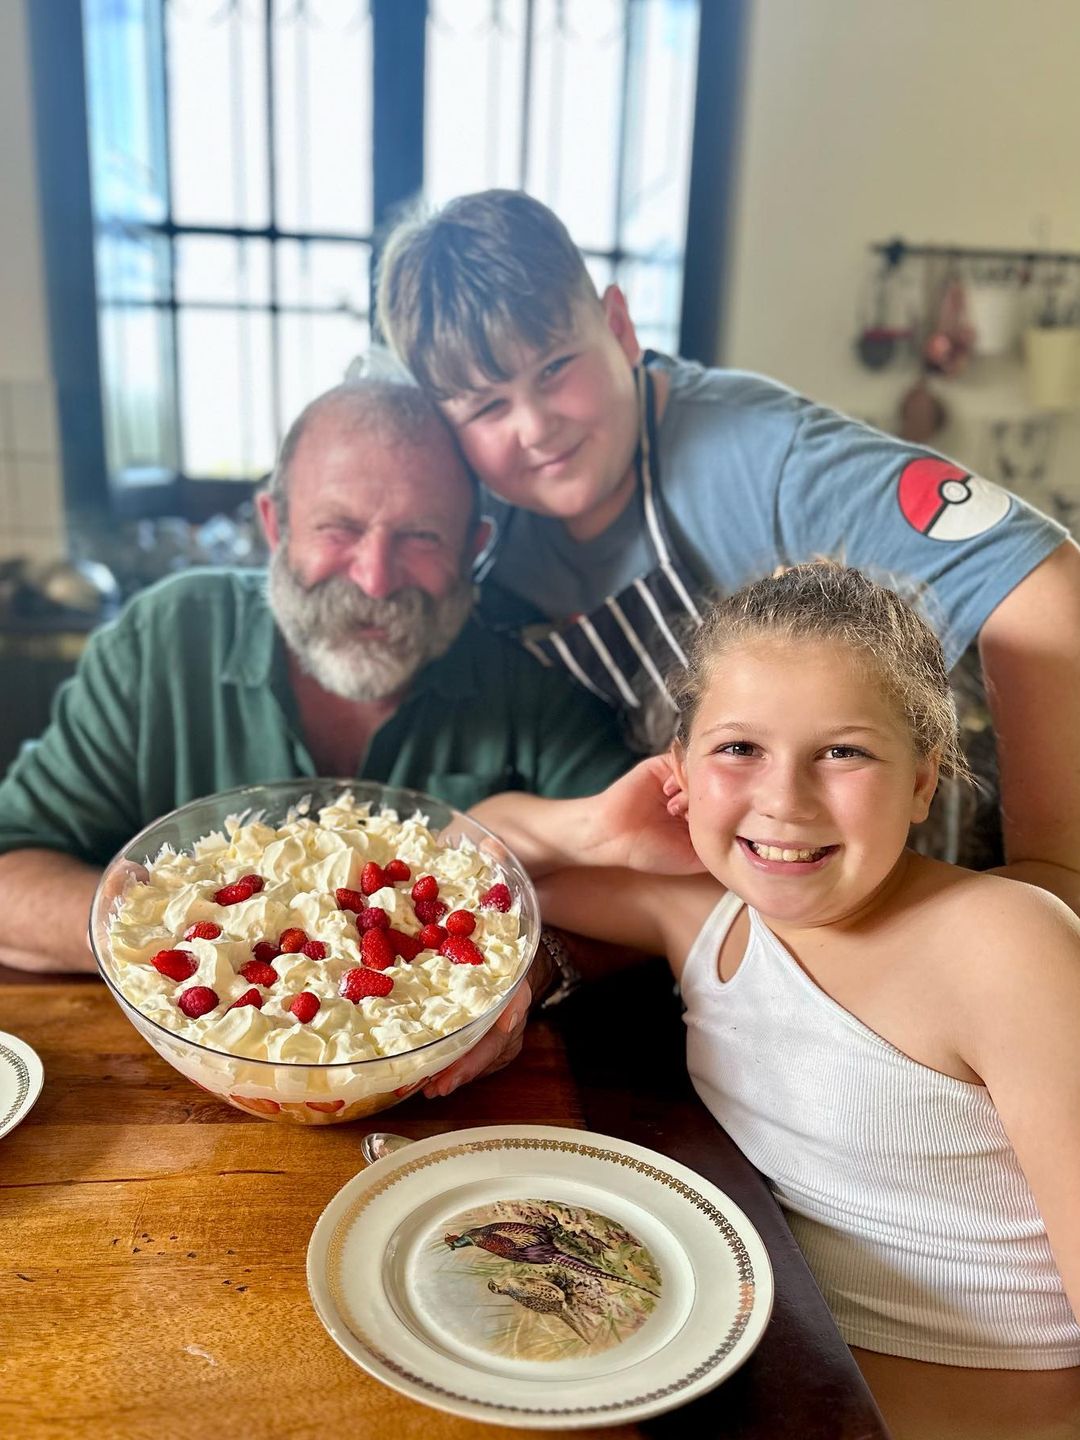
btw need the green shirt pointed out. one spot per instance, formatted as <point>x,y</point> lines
<point>187,693</point>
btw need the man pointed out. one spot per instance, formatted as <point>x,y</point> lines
<point>357,658</point>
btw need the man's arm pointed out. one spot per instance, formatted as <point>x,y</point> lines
<point>1030,649</point>
<point>45,901</point>
<point>67,803</point>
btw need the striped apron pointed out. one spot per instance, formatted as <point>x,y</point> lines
<point>627,648</point>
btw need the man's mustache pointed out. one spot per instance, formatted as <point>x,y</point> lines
<point>335,607</point>
<point>324,625</point>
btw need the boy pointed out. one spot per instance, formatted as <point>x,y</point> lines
<point>632,484</point>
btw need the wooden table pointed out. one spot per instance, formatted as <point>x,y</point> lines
<point>155,1239</point>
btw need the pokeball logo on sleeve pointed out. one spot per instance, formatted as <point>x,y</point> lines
<point>943,502</point>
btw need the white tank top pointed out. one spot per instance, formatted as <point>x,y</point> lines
<point>898,1182</point>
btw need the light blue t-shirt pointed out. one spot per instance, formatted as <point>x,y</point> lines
<point>753,476</point>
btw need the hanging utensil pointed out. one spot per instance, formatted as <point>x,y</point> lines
<point>880,338</point>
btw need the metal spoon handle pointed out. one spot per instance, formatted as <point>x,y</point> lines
<point>377,1143</point>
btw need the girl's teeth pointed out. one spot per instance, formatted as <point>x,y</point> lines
<point>773,852</point>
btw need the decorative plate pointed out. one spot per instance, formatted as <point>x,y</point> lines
<point>21,1079</point>
<point>539,1277</point>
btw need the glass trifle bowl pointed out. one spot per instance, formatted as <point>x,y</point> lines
<point>313,950</point>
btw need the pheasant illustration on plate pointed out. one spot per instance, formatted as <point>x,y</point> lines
<point>569,1280</point>
<point>560,1295</point>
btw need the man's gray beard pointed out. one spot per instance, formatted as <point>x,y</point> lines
<point>320,623</point>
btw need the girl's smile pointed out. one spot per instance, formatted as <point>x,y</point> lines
<point>802,781</point>
<point>784,857</point>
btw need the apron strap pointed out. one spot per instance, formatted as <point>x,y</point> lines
<point>648,466</point>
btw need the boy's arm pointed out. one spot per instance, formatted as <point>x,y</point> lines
<point>1030,650</point>
<point>1019,1019</point>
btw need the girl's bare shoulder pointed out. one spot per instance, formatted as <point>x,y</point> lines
<point>985,901</point>
<point>983,924</point>
<point>987,951</point>
<point>1006,980</point>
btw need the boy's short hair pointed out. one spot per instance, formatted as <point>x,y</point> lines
<point>461,289</point>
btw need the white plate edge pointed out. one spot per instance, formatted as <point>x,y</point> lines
<point>36,1071</point>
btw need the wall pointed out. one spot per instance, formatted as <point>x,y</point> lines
<point>938,120</point>
<point>30,487</point>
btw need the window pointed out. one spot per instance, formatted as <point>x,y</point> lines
<point>233,235</point>
<point>586,104</point>
<point>245,154</point>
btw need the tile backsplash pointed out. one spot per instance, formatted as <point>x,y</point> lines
<point>31,498</point>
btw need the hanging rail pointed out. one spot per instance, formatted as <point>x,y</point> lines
<point>896,251</point>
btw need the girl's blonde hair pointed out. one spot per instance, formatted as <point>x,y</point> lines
<point>824,601</point>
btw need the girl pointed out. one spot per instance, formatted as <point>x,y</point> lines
<point>890,1039</point>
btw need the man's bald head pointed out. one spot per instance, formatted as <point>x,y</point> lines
<point>387,414</point>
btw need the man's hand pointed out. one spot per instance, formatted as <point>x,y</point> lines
<point>492,1051</point>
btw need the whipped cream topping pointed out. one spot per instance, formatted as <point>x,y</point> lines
<point>302,863</point>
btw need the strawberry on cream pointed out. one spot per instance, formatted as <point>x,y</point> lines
<point>302,863</point>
